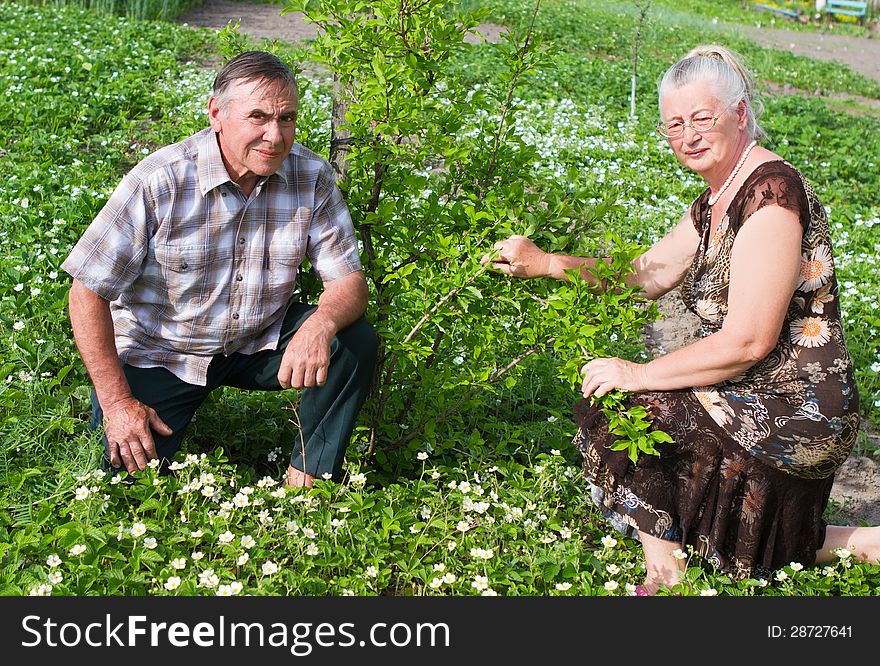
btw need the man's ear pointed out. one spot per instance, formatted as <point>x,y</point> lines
<point>214,113</point>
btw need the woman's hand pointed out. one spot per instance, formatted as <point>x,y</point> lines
<point>602,375</point>
<point>519,257</point>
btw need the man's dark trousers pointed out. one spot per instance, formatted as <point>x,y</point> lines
<point>327,414</point>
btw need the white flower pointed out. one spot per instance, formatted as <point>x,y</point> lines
<point>436,582</point>
<point>172,583</point>
<point>224,591</point>
<point>796,566</point>
<point>480,583</point>
<point>312,550</point>
<point>19,287</point>
<point>138,529</point>
<point>565,533</point>
<point>809,332</point>
<point>208,491</point>
<point>613,569</point>
<point>609,541</point>
<point>414,529</point>
<point>555,452</point>
<point>150,543</point>
<point>208,578</point>
<point>490,593</point>
<point>197,555</point>
<point>781,575</point>
<point>611,585</point>
<point>679,554</point>
<point>56,577</point>
<point>815,269</point>
<point>308,532</point>
<point>717,406</point>
<point>18,326</point>
<point>562,587</point>
<point>422,455</point>
<point>630,589</point>
<point>464,487</point>
<point>247,541</point>
<point>347,593</point>
<point>178,563</point>
<point>449,578</point>
<point>226,537</point>
<point>358,479</point>
<point>336,523</point>
<point>43,590</point>
<point>451,545</point>
<point>843,553</point>
<point>439,567</point>
<point>236,587</point>
<point>78,549</point>
<point>711,592</point>
<point>241,500</point>
<point>82,492</point>
<point>828,571</point>
<point>269,568</point>
<point>435,475</point>
<point>197,534</point>
<point>242,559</point>
<point>708,309</point>
<point>372,571</point>
<point>53,560</point>
<point>326,476</point>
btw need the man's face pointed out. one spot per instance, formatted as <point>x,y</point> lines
<point>256,128</point>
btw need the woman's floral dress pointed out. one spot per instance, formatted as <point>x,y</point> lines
<point>751,469</point>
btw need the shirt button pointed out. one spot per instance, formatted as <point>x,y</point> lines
<point>235,316</point>
<point>241,241</point>
<point>239,278</point>
<point>184,266</point>
<point>223,194</point>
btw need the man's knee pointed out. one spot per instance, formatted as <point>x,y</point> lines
<point>360,339</point>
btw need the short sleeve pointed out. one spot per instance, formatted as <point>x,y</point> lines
<point>771,184</point>
<point>333,248</point>
<point>109,255</point>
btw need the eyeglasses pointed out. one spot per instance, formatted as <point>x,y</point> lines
<point>701,123</point>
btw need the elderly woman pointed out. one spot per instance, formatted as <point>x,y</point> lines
<point>763,408</point>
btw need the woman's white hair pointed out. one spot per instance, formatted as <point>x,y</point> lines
<point>728,78</point>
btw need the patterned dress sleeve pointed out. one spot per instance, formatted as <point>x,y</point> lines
<point>771,184</point>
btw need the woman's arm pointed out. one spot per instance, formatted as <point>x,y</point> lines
<point>765,262</point>
<point>657,270</point>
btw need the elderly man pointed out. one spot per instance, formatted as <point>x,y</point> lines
<point>184,282</point>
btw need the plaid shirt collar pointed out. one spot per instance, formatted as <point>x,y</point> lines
<point>212,171</point>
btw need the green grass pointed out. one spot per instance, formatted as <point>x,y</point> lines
<point>85,97</point>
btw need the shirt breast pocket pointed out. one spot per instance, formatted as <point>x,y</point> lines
<point>184,271</point>
<point>284,262</point>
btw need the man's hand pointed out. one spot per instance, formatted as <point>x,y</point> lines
<point>602,375</point>
<point>127,425</point>
<point>307,357</point>
<point>520,257</point>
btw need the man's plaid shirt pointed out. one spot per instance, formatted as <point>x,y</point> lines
<point>193,268</point>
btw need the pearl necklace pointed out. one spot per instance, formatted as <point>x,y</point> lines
<point>742,160</point>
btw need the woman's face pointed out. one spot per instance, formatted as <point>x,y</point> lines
<point>711,153</point>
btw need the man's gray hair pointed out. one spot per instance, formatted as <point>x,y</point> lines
<point>725,73</point>
<point>252,66</point>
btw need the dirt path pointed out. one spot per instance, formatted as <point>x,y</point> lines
<point>858,53</point>
<point>856,491</point>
